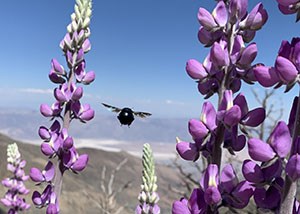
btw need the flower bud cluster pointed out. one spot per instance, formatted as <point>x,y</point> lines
<point>57,143</point>
<point>148,196</point>
<point>15,184</point>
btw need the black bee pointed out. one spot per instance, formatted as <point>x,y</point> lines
<point>126,115</point>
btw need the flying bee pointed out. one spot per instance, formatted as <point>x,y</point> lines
<point>126,115</point>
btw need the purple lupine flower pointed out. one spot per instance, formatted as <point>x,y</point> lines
<point>286,69</point>
<point>57,143</point>
<point>43,176</point>
<point>230,60</point>
<point>288,6</point>
<point>278,144</point>
<point>16,188</point>
<point>236,194</point>
<point>269,198</point>
<point>199,130</point>
<point>195,204</point>
<point>209,182</point>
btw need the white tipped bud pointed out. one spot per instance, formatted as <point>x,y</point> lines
<point>77,11</point>
<point>74,26</point>
<point>73,16</point>
<point>13,154</point>
<point>86,22</point>
<point>69,28</point>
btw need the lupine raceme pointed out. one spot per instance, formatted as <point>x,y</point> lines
<point>57,143</point>
<point>274,168</point>
<point>148,196</point>
<point>13,199</point>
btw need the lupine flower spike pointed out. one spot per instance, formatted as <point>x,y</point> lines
<point>57,143</point>
<point>13,198</point>
<point>148,197</point>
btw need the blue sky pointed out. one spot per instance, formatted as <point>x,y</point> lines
<point>139,51</point>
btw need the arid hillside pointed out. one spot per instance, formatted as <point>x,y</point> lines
<point>82,192</point>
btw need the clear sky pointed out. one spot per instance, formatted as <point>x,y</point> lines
<point>139,51</point>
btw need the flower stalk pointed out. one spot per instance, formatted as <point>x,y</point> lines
<point>57,143</point>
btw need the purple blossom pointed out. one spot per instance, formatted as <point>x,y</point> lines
<point>279,144</point>
<point>195,204</point>
<point>288,6</point>
<point>13,199</point>
<point>57,143</point>
<point>286,67</point>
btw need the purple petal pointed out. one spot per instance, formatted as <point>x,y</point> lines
<point>239,143</point>
<point>286,69</point>
<point>195,69</point>
<point>242,194</point>
<point>232,116</point>
<point>52,209</point>
<point>57,67</point>
<point>44,133</point>
<point>259,150</point>
<point>248,35</point>
<point>287,2</point>
<point>80,163</point>
<point>257,17</point>
<point>89,77</point>
<point>87,115</point>
<point>208,116</point>
<point>197,129</point>
<point>188,151</point>
<point>60,96</point>
<point>210,177</point>
<point>272,171</point>
<point>77,94</point>
<point>269,199</point>
<point>212,195</point>
<point>266,76</point>
<point>178,207</point>
<point>206,19</point>
<point>49,171</point>
<point>280,139</point>
<point>197,202</point>
<point>47,149</point>
<point>220,14</point>
<point>86,46</point>
<point>36,175</point>
<point>293,167</point>
<point>55,78</point>
<point>36,198</point>
<point>238,9</point>
<point>68,143</point>
<point>285,49</point>
<point>228,178</point>
<point>254,117</point>
<point>248,54</point>
<point>240,100</point>
<point>45,110</point>
<point>6,202</point>
<point>293,115</point>
<point>252,172</point>
<point>219,55</point>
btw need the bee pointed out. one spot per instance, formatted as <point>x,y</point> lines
<point>126,115</point>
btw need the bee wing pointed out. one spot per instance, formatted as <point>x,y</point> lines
<point>112,108</point>
<point>141,114</point>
